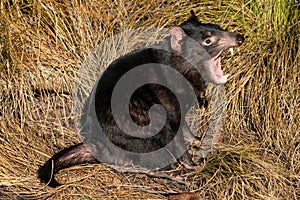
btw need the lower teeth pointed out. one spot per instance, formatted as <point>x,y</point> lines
<point>231,51</point>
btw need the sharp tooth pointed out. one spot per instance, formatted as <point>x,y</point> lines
<point>231,51</point>
<point>227,75</point>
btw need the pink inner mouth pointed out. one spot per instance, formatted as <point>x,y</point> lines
<point>218,69</point>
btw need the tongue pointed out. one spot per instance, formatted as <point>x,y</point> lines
<point>218,69</point>
<point>219,72</point>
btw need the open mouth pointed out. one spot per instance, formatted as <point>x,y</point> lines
<point>218,69</point>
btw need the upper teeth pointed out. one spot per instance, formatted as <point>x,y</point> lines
<point>231,51</point>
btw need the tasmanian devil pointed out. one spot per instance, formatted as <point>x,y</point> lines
<point>190,54</point>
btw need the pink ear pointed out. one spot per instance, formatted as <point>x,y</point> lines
<point>177,34</point>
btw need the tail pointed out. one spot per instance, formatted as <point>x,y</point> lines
<point>74,155</point>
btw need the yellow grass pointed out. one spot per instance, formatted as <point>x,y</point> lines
<point>43,45</point>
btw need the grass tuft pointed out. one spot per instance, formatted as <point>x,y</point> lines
<point>44,43</point>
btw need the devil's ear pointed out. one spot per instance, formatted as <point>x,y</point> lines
<point>193,13</point>
<point>193,19</point>
<point>177,34</point>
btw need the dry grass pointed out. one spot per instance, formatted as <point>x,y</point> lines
<point>43,44</point>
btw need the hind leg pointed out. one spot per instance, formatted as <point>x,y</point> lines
<point>186,161</point>
<point>189,165</point>
<point>190,137</point>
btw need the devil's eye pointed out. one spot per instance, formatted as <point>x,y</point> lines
<point>207,41</point>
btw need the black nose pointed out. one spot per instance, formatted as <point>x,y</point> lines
<point>240,39</point>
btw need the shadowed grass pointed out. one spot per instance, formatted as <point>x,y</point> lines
<point>43,44</point>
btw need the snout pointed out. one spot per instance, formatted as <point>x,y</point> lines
<point>239,39</point>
